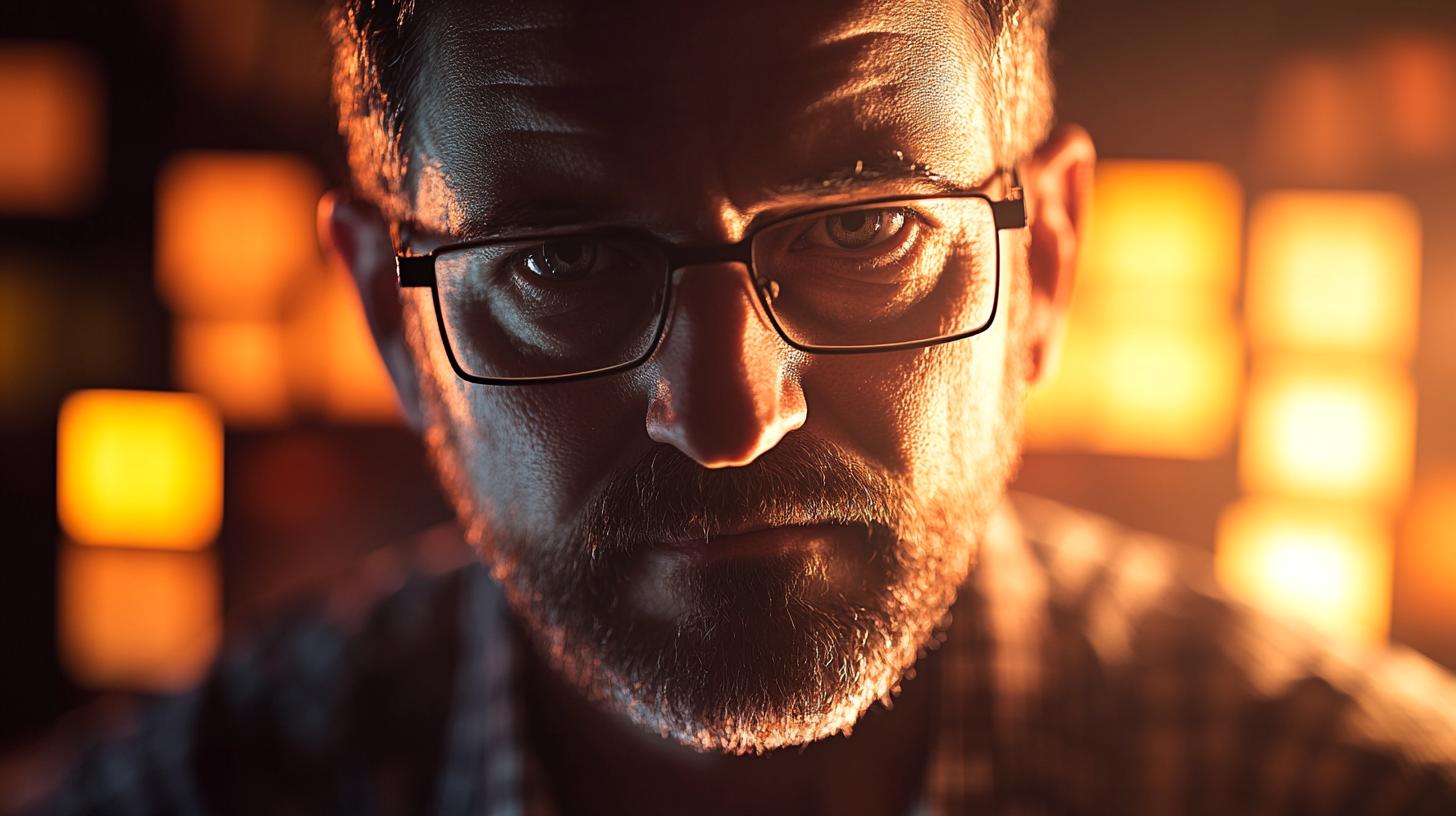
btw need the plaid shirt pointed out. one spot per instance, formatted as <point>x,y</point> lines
<point>1087,670</point>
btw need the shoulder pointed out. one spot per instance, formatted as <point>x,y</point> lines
<point>313,709</point>
<point>1210,693</point>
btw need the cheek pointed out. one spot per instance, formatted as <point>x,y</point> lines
<point>927,415</point>
<point>528,457</point>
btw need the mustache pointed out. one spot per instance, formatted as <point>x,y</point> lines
<point>805,479</point>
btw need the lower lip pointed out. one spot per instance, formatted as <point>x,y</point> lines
<point>764,543</point>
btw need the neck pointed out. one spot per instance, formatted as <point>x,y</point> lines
<point>598,762</point>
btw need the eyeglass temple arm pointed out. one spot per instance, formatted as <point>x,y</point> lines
<point>415,270</point>
<point>1010,213</point>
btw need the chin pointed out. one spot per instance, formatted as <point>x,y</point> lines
<point>752,654</point>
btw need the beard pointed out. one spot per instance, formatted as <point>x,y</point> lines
<point>745,655</point>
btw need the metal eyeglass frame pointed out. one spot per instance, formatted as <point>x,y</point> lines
<point>418,271</point>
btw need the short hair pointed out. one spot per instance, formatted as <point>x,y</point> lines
<point>376,62</point>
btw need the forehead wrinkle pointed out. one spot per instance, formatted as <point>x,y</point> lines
<point>569,49</point>
<point>878,88</point>
<point>494,107</point>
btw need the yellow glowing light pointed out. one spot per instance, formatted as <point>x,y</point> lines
<point>1169,228</point>
<point>240,365</point>
<point>334,364</point>
<point>139,469</point>
<point>234,232</point>
<point>1342,432</point>
<point>50,145</point>
<point>1141,391</point>
<point>1152,363</point>
<point>1330,566</point>
<point>1334,272</point>
<point>1426,562</point>
<point>137,619</point>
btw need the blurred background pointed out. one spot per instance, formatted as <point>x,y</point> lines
<point>1261,361</point>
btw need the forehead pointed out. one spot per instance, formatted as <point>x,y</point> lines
<point>674,115</point>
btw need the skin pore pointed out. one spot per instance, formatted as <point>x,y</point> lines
<point>696,122</point>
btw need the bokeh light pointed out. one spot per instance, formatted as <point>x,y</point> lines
<point>1426,564</point>
<point>1329,565</point>
<point>1342,432</point>
<point>1334,271</point>
<point>1153,357</point>
<point>50,145</point>
<point>1151,391</point>
<point>1315,123</point>
<point>240,365</point>
<point>139,469</point>
<point>137,619</point>
<point>1164,225</point>
<point>334,367</point>
<point>1419,80</point>
<point>234,232</point>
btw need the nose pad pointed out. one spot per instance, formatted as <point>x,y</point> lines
<point>724,392</point>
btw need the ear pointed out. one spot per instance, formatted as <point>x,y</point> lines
<point>356,236</point>
<point>1057,181</point>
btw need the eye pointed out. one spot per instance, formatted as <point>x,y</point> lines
<point>567,259</point>
<point>859,229</point>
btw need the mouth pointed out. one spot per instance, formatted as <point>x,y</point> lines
<point>766,542</point>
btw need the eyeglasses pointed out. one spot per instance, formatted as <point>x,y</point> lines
<point>878,275</point>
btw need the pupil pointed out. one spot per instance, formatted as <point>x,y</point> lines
<point>567,252</point>
<point>566,259</point>
<point>855,230</point>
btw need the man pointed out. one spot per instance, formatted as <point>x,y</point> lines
<point>717,319</point>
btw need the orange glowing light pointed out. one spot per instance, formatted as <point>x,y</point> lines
<point>334,363</point>
<point>237,364</point>
<point>1342,432</point>
<point>1328,565</point>
<point>137,619</point>
<point>139,469</point>
<point>234,232</point>
<point>1335,272</point>
<point>1426,562</point>
<point>1141,391</point>
<point>1316,124</point>
<point>1164,229</point>
<point>1419,84</point>
<point>50,146</point>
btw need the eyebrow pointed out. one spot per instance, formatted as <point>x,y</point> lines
<point>862,176</point>
<point>872,174</point>
<point>541,215</point>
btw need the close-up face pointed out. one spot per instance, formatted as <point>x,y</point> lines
<point>741,542</point>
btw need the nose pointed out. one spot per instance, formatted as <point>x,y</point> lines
<point>724,392</point>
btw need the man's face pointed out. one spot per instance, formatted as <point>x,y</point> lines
<point>737,544</point>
